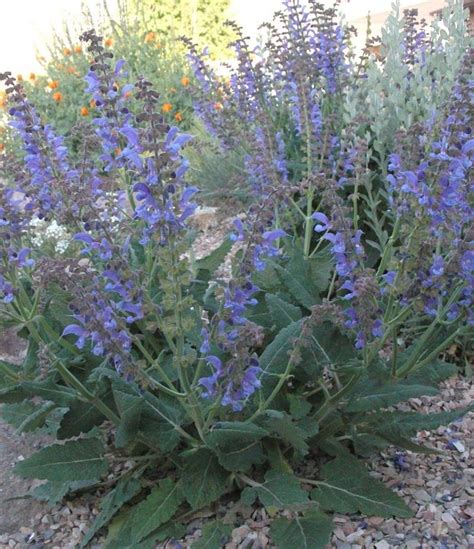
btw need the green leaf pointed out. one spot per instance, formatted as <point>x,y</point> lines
<point>432,374</point>
<point>80,418</point>
<point>130,408</point>
<point>287,430</point>
<point>124,491</point>
<point>369,396</point>
<point>74,460</point>
<point>274,358</point>
<point>158,508</point>
<point>311,531</point>
<point>48,390</point>
<point>349,488</point>
<point>214,535</point>
<point>203,480</point>
<point>37,418</point>
<point>296,278</point>
<point>237,444</point>
<point>54,491</point>
<point>17,413</point>
<point>407,424</point>
<point>282,312</point>
<point>12,393</point>
<point>299,407</point>
<point>279,490</point>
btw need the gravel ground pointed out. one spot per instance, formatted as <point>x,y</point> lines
<point>439,488</point>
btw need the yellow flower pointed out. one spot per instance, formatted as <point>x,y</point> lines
<point>58,97</point>
<point>167,107</point>
<point>84,111</point>
<point>3,99</point>
<point>108,42</point>
<point>178,117</point>
<point>185,81</point>
<point>53,84</point>
<point>150,37</point>
<point>19,77</point>
<point>32,77</point>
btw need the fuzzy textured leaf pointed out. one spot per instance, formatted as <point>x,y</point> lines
<point>157,509</point>
<point>279,490</point>
<point>370,397</point>
<point>282,313</point>
<point>214,535</point>
<point>203,480</point>
<point>348,488</point>
<point>74,460</point>
<point>124,491</point>
<point>311,531</point>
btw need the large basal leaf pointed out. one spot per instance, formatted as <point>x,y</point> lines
<point>311,531</point>
<point>12,393</point>
<point>276,355</point>
<point>203,480</point>
<point>74,460</point>
<point>80,418</point>
<point>54,491</point>
<point>48,390</point>
<point>22,413</point>
<point>407,424</point>
<point>237,444</point>
<point>156,509</point>
<point>368,396</point>
<point>282,313</point>
<point>431,374</point>
<point>348,488</point>
<point>124,491</point>
<point>130,409</point>
<point>214,535</point>
<point>286,429</point>
<point>296,279</point>
<point>279,490</point>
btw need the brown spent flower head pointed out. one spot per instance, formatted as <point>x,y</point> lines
<point>32,77</point>
<point>58,97</point>
<point>178,117</point>
<point>167,107</point>
<point>92,104</point>
<point>2,147</point>
<point>84,111</point>
<point>19,77</point>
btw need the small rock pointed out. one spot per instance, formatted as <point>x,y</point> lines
<point>382,545</point>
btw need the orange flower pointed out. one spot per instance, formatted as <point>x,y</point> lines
<point>53,84</point>
<point>127,94</point>
<point>78,49</point>
<point>32,77</point>
<point>57,96</point>
<point>19,77</point>
<point>66,52</point>
<point>72,70</point>
<point>84,111</point>
<point>2,147</point>
<point>3,99</point>
<point>173,90</point>
<point>108,42</point>
<point>117,151</point>
<point>167,107</point>
<point>185,81</point>
<point>178,117</point>
<point>218,106</point>
<point>150,37</point>
<point>92,104</point>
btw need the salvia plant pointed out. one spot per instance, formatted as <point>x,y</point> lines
<point>352,273</point>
